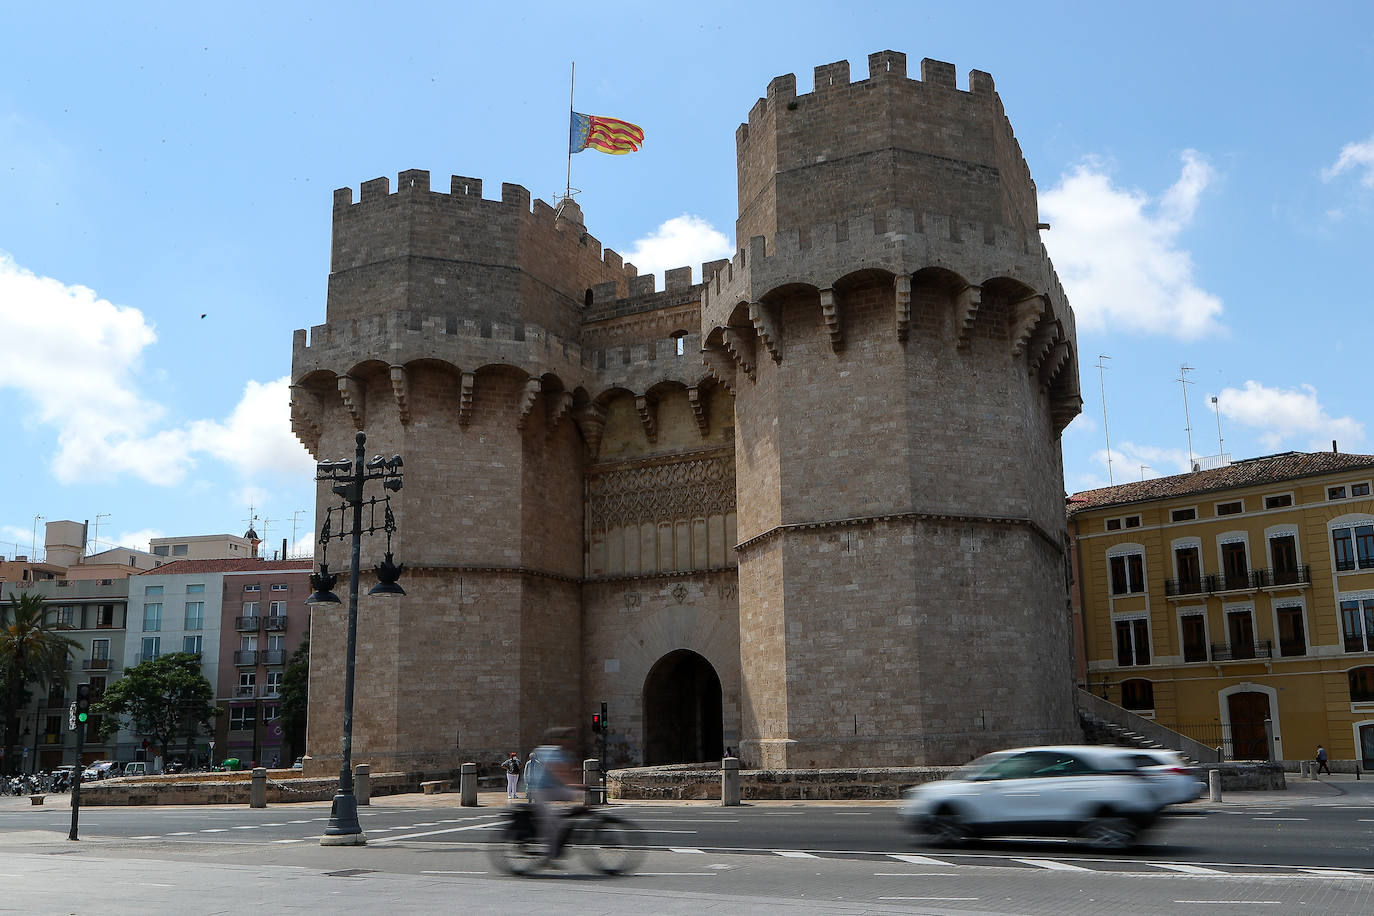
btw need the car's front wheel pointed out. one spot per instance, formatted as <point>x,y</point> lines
<point>1109,831</point>
<point>946,827</point>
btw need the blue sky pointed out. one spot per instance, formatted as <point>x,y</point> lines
<point>1208,171</point>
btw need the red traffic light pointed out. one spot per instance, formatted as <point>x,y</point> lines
<point>596,722</point>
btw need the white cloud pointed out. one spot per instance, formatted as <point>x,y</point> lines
<point>1131,461</point>
<point>135,539</point>
<point>683,241</point>
<point>1354,157</point>
<point>1282,415</point>
<point>1117,252</point>
<point>105,426</point>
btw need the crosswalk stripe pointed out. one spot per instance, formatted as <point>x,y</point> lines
<point>1333,873</point>
<point>686,849</point>
<point>1052,865</point>
<point>1186,869</point>
<point>916,860</point>
<point>789,854</point>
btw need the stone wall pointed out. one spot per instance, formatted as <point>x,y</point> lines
<point>687,782</point>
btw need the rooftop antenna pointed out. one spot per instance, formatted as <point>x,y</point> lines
<point>1103,387</point>
<point>1187,421</point>
<point>1143,469</point>
<point>33,542</point>
<point>294,516</point>
<point>1217,408</point>
<point>95,535</point>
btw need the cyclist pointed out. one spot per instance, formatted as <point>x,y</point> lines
<point>554,780</point>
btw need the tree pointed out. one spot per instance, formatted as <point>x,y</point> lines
<point>31,651</point>
<point>295,697</point>
<point>159,699</point>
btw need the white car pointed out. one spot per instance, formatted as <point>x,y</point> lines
<point>1174,780</point>
<point>1094,793</point>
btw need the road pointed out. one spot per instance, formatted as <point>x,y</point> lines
<point>1265,853</point>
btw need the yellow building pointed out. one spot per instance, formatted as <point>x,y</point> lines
<point>1221,600</point>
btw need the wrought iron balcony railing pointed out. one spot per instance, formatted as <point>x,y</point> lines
<point>245,656</point>
<point>248,624</point>
<point>276,622</point>
<point>1234,652</point>
<point>1268,578</point>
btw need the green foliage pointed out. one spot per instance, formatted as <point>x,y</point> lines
<point>295,697</point>
<point>159,699</point>
<point>31,651</point>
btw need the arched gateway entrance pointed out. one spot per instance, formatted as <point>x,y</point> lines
<point>682,710</point>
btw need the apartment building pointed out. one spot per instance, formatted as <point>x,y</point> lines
<point>1235,604</point>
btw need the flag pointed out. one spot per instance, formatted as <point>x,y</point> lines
<point>609,135</point>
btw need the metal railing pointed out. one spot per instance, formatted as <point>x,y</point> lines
<point>247,624</point>
<point>274,657</point>
<point>95,664</point>
<point>1234,652</point>
<point>244,692</point>
<point>245,656</point>
<point>276,621</point>
<point>1194,586</point>
<point>1268,578</point>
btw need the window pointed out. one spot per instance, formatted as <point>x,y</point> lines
<point>1128,573</point>
<point>1357,624</point>
<point>152,618</point>
<point>97,688</point>
<point>1335,492</point>
<point>104,616</point>
<point>66,616</point>
<point>276,643</point>
<point>191,644</point>
<point>1361,685</point>
<point>1183,515</point>
<point>1281,501</point>
<point>1235,570</point>
<point>1283,551</point>
<point>252,588</point>
<point>1194,637</point>
<point>1353,545</point>
<point>1137,693</point>
<point>278,586</point>
<point>1231,508</point>
<point>1292,631</point>
<point>100,648</point>
<point>195,589</point>
<point>1240,630</point>
<point>152,648</point>
<point>1133,641</point>
<point>195,615</point>
<point>240,718</point>
<point>1132,521</point>
<point>248,678</point>
<point>271,713</point>
<point>153,590</point>
<point>1359,489</point>
<point>1113,524</point>
<point>178,550</point>
<point>1188,565</point>
<point>160,550</point>
<point>250,609</point>
<point>273,683</point>
<point>277,609</point>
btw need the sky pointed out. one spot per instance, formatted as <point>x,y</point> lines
<point>166,179</point>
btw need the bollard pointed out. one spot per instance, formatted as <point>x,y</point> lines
<point>467,785</point>
<point>362,783</point>
<point>729,781</point>
<point>35,800</point>
<point>591,778</point>
<point>257,796</point>
<point>1214,784</point>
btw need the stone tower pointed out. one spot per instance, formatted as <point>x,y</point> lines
<point>902,359</point>
<point>811,507</point>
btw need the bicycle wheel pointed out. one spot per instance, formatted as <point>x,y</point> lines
<point>604,844</point>
<point>513,854</point>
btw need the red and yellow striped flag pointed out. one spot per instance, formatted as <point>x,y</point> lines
<point>609,135</point>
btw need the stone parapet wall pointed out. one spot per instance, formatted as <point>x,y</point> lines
<point>230,789</point>
<point>1249,777</point>
<point>690,782</point>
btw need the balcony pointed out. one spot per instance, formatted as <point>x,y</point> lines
<point>148,656</point>
<point>95,664</point>
<point>1277,578</point>
<point>245,656</point>
<point>1222,652</point>
<point>276,622</point>
<point>244,693</point>
<point>247,624</point>
<point>1197,585</point>
<point>274,657</point>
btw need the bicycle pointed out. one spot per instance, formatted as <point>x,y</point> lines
<point>601,839</point>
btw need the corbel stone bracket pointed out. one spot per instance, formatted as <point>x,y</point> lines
<point>559,405</point>
<point>901,287</point>
<point>401,390</point>
<point>966,304</point>
<point>740,345</point>
<point>648,416</point>
<point>591,420</point>
<point>1026,315</point>
<point>532,389</point>
<point>768,328</point>
<point>830,314</point>
<point>1042,341</point>
<point>307,415</point>
<point>720,365</point>
<point>697,398</point>
<point>465,386</point>
<point>354,398</point>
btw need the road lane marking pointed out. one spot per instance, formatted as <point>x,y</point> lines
<point>1278,818</point>
<point>215,830</point>
<point>917,860</point>
<point>1187,869</point>
<point>246,827</point>
<point>686,820</point>
<point>919,874</point>
<point>1232,902</point>
<point>686,849</point>
<point>927,898</point>
<point>150,837</point>
<point>1332,873</point>
<point>288,841</point>
<point>789,854</point>
<point>412,836</point>
<point>180,833</point>
<point>1052,865</point>
<point>453,873</point>
<point>151,884</point>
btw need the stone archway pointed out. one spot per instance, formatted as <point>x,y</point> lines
<point>682,710</point>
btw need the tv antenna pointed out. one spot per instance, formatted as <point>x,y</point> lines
<point>95,535</point>
<point>1143,469</point>
<point>1187,421</point>
<point>1216,407</point>
<point>1103,388</point>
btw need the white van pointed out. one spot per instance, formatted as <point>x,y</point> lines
<point>136,768</point>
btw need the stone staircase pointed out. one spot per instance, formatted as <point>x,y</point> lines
<point>1107,723</point>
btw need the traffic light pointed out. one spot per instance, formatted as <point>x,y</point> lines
<point>596,722</point>
<point>83,703</point>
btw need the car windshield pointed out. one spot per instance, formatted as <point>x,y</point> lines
<point>977,767</point>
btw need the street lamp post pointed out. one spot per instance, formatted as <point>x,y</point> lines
<point>348,478</point>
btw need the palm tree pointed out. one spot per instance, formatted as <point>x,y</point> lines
<point>30,651</point>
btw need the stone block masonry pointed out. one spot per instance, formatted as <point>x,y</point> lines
<point>787,510</point>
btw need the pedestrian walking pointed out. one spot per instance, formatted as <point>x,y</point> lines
<point>1321,761</point>
<point>531,773</point>
<point>512,767</point>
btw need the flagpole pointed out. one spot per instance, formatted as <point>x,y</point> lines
<point>572,79</point>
